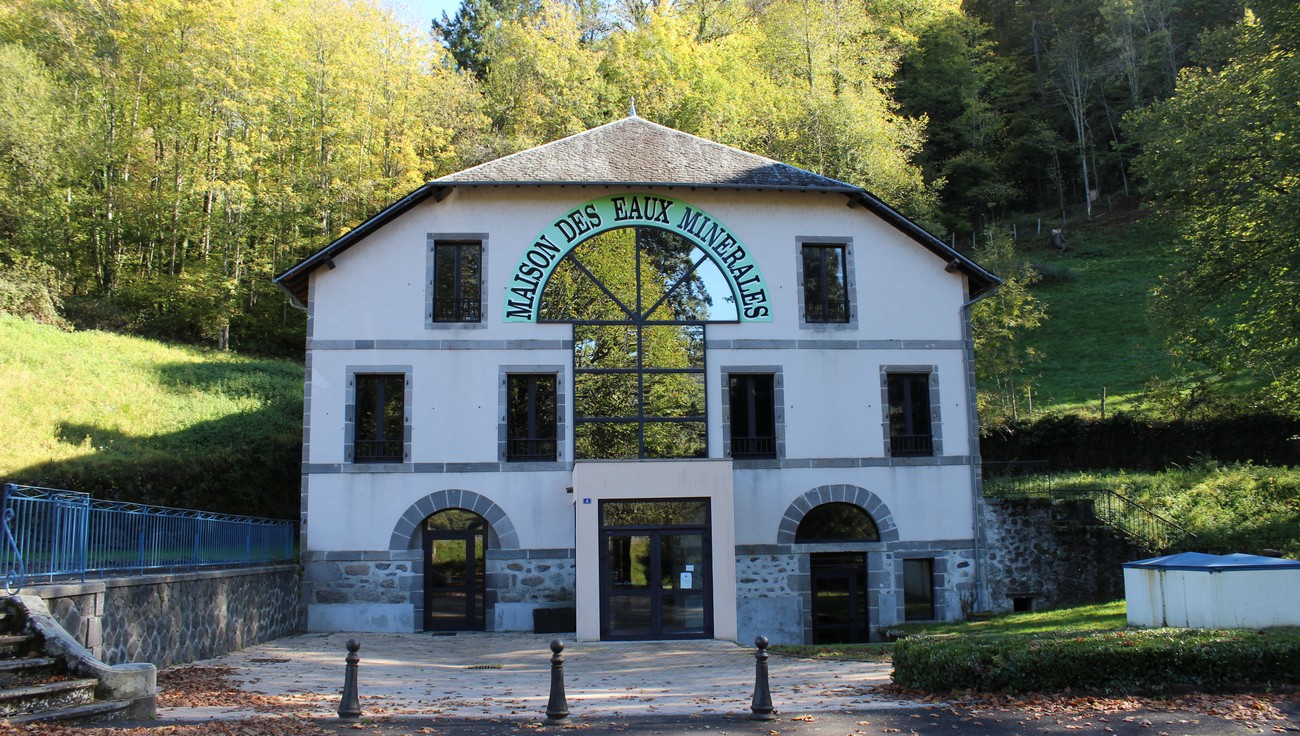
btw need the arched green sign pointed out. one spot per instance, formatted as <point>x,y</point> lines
<point>523,293</point>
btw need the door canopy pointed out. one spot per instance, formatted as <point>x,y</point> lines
<point>714,241</point>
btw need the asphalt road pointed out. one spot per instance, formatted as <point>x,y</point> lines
<point>926,721</point>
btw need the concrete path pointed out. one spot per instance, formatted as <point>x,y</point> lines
<point>489,676</point>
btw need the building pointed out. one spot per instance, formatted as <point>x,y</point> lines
<point>660,385</point>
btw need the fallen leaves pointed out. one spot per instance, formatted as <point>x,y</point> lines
<point>214,686</point>
<point>247,727</point>
<point>1250,709</point>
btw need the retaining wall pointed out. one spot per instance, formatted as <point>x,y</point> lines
<point>1046,554</point>
<point>177,618</point>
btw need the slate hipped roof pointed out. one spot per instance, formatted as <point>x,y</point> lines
<point>635,152</point>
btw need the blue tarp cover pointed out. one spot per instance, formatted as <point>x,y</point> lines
<point>1214,563</point>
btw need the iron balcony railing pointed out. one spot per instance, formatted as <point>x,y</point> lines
<point>530,449</point>
<point>826,310</point>
<point>377,451</point>
<point>911,444</point>
<point>753,447</point>
<point>48,535</point>
<point>448,309</point>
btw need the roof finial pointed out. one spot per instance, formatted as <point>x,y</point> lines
<point>631,113</point>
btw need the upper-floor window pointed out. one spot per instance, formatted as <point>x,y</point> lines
<point>457,281</point>
<point>825,282</point>
<point>638,299</point>
<point>530,417</point>
<point>909,414</point>
<point>379,422</point>
<point>751,401</point>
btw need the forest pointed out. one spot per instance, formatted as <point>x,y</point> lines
<point>161,160</point>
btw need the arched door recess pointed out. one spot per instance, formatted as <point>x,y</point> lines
<point>454,542</point>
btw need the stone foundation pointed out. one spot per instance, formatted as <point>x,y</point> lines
<point>172,619</point>
<point>362,577</point>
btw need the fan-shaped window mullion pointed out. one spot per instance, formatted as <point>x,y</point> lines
<point>690,272</point>
<point>631,315</point>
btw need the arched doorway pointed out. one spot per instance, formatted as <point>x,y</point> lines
<point>454,542</point>
<point>839,579</point>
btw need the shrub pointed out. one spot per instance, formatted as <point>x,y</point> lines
<point>1151,660</point>
<point>1051,273</point>
<point>30,291</point>
<point>1128,441</point>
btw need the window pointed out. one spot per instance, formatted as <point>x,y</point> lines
<point>530,417</point>
<point>918,590</point>
<point>457,281</point>
<point>825,283</point>
<point>909,414</point>
<point>638,299</point>
<point>753,415</point>
<point>379,425</point>
<point>836,522</point>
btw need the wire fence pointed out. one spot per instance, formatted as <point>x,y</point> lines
<point>48,535</point>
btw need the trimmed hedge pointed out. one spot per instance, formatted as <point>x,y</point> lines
<point>1131,442</point>
<point>1147,660</point>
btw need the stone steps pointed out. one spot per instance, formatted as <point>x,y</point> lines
<point>17,646</point>
<point>37,686</point>
<point>100,710</point>
<point>18,671</point>
<point>46,697</point>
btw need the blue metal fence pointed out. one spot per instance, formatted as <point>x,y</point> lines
<point>48,534</point>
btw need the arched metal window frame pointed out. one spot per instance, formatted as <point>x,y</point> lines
<point>640,321</point>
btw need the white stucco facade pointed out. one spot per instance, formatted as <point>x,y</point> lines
<point>369,312</point>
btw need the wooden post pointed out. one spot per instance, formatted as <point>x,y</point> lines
<point>1103,402</point>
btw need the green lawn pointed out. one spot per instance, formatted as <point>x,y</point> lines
<point>125,417</point>
<point>1098,293</point>
<point>1097,617</point>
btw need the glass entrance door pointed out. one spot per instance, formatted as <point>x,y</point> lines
<point>655,558</point>
<point>839,598</point>
<point>454,579</point>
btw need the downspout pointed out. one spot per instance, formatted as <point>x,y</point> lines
<point>973,442</point>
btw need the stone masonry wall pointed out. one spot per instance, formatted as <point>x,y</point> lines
<point>548,580</point>
<point>172,619</point>
<point>766,576</point>
<point>1050,553</point>
<point>387,580</point>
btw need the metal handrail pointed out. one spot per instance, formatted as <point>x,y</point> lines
<point>1146,527</point>
<point>55,534</point>
<point>1149,529</point>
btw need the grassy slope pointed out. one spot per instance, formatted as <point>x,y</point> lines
<point>133,418</point>
<point>1098,617</point>
<point>1096,334</point>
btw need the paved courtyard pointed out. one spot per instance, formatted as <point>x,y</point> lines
<point>482,675</point>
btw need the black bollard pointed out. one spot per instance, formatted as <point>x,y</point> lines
<point>761,707</point>
<point>350,706</point>
<point>557,708</point>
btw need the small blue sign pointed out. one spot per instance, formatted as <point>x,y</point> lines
<point>586,500</point>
